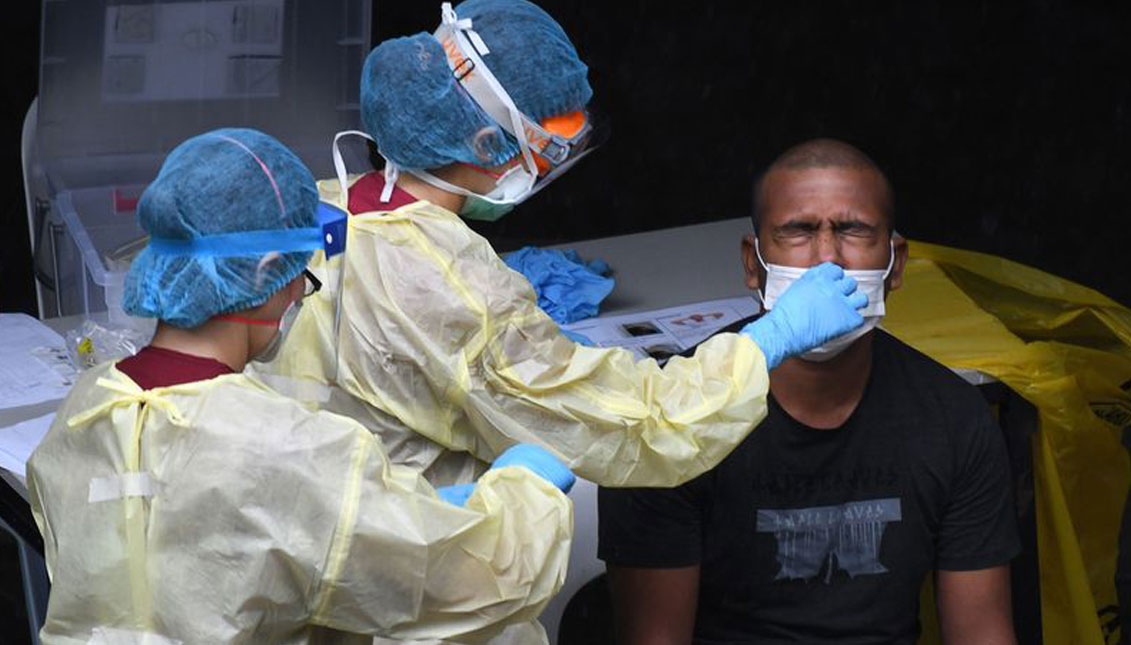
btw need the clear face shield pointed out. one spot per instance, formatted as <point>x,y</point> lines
<point>515,183</point>
<point>547,148</point>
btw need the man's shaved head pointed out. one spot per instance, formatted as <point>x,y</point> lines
<point>824,153</point>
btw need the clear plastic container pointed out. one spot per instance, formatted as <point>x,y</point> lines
<point>122,83</point>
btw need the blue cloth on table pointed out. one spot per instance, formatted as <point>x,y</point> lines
<point>568,289</point>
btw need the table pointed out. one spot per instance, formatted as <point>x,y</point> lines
<point>15,513</point>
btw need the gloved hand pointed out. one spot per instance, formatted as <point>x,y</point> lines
<point>456,494</point>
<point>539,461</point>
<point>568,289</point>
<point>820,306</point>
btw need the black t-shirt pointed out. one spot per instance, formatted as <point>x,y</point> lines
<point>814,536</point>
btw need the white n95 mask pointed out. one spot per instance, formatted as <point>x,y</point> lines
<point>870,282</point>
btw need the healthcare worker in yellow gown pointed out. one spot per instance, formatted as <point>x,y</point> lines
<point>425,336</point>
<point>183,501</point>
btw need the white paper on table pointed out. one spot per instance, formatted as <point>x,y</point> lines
<point>17,442</point>
<point>33,362</point>
<point>663,332</point>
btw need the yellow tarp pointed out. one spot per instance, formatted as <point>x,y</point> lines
<point>1067,350</point>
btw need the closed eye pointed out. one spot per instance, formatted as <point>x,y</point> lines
<point>854,228</point>
<point>795,229</point>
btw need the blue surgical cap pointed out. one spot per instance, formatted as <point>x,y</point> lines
<point>412,105</point>
<point>237,183</point>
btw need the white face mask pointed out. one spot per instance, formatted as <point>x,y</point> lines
<point>870,282</point>
<point>286,322</point>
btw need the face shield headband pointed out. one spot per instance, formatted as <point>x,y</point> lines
<point>329,236</point>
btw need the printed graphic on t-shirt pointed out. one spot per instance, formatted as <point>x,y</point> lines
<point>846,536</point>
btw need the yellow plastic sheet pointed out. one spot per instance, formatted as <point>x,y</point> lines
<point>1067,350</point>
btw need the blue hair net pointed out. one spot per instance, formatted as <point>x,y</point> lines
<point>233,188</point>
<point>412,105</point>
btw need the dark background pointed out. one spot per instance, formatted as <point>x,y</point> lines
<point>1003,127</point>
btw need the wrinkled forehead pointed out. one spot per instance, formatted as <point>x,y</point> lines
<point>833,193</point>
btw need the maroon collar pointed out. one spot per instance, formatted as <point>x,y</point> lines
<point>365,195</point>
<point>154,367</point>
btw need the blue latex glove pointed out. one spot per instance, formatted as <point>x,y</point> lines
<point>539,461</point>
<point>820,306</point>
<point>456,494</point>
<point>580,339</point>
<point>568,289</point>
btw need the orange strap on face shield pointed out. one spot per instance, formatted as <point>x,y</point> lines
<point>566,126</point>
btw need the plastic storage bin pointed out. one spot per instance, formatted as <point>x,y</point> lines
<point>122,83</point>
<point>102,228</point>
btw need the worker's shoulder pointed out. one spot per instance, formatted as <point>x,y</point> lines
<point>244,399</point>
<point>86,394</point>
<point>923,377</point>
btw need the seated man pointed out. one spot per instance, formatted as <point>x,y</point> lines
<point>874,467</point>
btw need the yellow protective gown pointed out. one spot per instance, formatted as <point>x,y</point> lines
<point>423,334</point>
<point>221,512</point>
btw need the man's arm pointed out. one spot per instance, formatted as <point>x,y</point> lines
<point>654,606</point>
<point>977,537</point>
<point>974,607</point>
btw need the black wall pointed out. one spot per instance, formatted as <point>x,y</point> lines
<point>1004,127</point>
<point>19,35</point>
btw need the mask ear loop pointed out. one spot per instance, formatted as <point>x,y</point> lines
<point>391,173</point>
<point>343,176</point>
<point>758,252</point>
<point>891,257</point>
<point>761,287</point>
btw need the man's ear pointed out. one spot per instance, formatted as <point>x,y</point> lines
<point>750,263</point>
<point>895,280</point>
